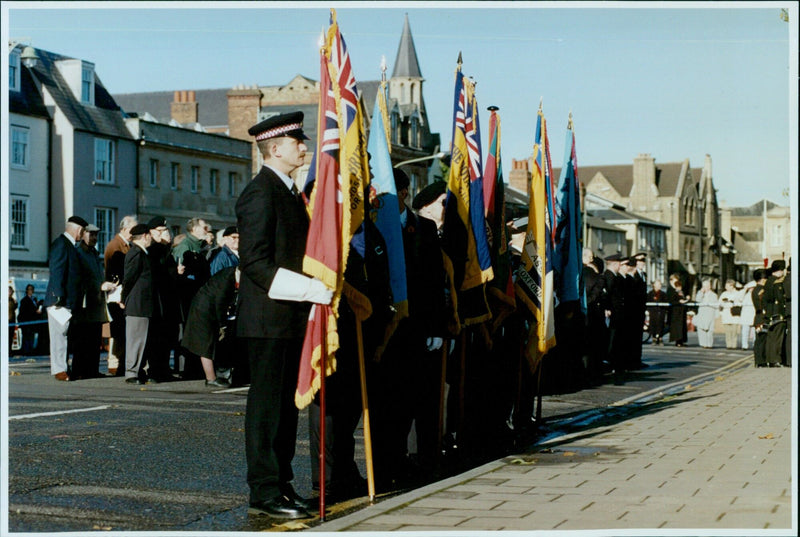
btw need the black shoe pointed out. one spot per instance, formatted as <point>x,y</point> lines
<point>218,383</point>
<point>151,381</point>
<point>280,507</point>
<point>133,380</point>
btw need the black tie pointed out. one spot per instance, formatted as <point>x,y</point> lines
<point>295,192</point>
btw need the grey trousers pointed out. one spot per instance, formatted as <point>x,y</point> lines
<point>135,343</point>
<point>58,343</point>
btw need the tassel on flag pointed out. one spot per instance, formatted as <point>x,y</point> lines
<point>534,284</point>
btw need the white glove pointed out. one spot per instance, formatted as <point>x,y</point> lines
<point>434,343</point>
<point>288,285</point>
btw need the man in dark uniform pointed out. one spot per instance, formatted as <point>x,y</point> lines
<point>759,321</point>
<point>637,309</point>
<point>596,342</point>
<point>167,301</point>
<point>616,314</point>
<point>777,314</point>
<point>273,312</point>
<point>114,257</point>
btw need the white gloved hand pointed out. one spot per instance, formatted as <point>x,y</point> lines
<point>434,343</point>
<point>318,292</point>
<point>288,285</point>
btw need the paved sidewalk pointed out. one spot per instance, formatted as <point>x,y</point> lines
<point>717,456</point>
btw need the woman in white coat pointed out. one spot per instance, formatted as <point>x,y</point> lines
<point>730,303</point>
<point>748,314</point>
<point>703,320</point>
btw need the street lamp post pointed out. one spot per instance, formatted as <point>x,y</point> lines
<point>439,155</point>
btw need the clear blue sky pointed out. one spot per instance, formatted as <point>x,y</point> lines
<point>673,80</point>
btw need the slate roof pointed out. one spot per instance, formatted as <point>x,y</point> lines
<point>615,216</point>
<point>406,63</point>
<point>28,101</point>
<point>104,117</point>
<point>755,209</point>
<point>620,176</point>
<point>212,105</point>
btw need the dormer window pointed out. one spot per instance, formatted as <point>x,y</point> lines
<point>87,83</point>
<point>13,71</point>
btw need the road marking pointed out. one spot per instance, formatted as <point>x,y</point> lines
<point>40,414</point>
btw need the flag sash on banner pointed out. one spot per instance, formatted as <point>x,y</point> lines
<point>467,256</point>
<point>534,283</point>
<point>337,204</point>
<point>501,288</point>
<point>384,205</point>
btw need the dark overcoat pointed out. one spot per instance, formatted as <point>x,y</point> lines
<point>65,274</point>
<point>208,312</point>
<point>273,226</point>
<point>138,292</point>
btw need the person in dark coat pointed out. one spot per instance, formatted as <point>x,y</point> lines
<point>616,319</point>
<point>638,308</point>
<point>63,290</point>
<point>114,257</point>
<point>206,323</point>
<point>273,312</point>
<point>677,313</point>
<point>596,341</point>
<point>657,313</point>
<point>165,326</point>
<point>760,323</point>
<point>777,303</point>
<point>30,310</point>
<point>631,329</point>
<point>90,314</point>
<point>367,273</point>
<point>138,301</point>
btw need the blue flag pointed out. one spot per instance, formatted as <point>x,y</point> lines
<point>568,248</point>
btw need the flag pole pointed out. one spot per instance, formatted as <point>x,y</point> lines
<point>322,410</point>
<point>365,407</point>
<point>440,429</point>
<point>461,383</point>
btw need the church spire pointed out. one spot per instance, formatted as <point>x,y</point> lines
<point>406,64</point>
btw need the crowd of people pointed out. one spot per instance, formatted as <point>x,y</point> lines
<point>234,311</point>
<point>156,293</point>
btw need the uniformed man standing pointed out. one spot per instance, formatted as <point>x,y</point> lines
<point>759,319</point>
<point>778,314</point>
<point>273,312</point>
<point>616,315</point>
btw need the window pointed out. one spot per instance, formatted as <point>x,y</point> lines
<point>20,156</point>
<point>13,71</point>
<point>232,176</point>
<point>103,161</point>
<point>174,175</point>
<point>777,235</point>
<point>414,141</point>
<point>213,179</point>
<point>18,222</point>
<point>395,127</point>
<point>104,218</point>
<point>87,84</point>
<point>195,179</point>
<point>153,173</point>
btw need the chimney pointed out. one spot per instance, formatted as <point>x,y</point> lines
<point>183,108</point>
<point>519,177</point>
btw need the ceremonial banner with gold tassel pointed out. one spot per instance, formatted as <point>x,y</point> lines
<point>340,175</point>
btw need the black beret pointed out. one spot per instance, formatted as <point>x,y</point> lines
<point>614,257</point>
<point>290,124</point>
<point>157,221</point>
<point>759,274</point>
<point>429,194</point>
<point>401,180</point>
<point>140,229</point>
<point>778,264</point>
<point>77,220</point>
<point>230,230</point>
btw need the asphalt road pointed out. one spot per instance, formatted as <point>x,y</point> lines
<point>104,455</point>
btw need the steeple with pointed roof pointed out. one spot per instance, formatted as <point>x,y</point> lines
<point>405,86</point>
<point>406,64</point>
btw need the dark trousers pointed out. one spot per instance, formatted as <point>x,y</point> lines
<point>86,340</point>
<point>271,415</point>
<point>776,343</point>
<point>760,348</point>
